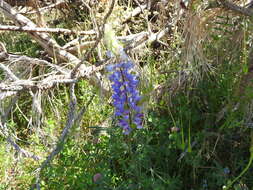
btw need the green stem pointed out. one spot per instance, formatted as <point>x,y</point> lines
<point>246,168</point>
<point>241,174</point>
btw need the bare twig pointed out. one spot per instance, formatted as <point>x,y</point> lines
<point>5,133</point>
<point>47,8</point>
<point>8,72</point>
<point>69,124</point>
<point>35,61</point>
<point>10,89</point>
<point>236,8</point>
<point>49,44</point>
<point>135,12</point>
<point>147,39</point>
<point>100,36</point>
<point>47,30</point>
<point>129,40</point>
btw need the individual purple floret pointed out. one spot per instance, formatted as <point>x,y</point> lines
<point>125,94</point>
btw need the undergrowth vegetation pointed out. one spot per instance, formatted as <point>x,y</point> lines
<point>196,96</point>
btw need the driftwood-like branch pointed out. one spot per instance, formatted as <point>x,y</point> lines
<point>9,89</point>
<point>144,39</point>
<point>131,41</point>
<point>135,12</point>
<point>72,119</point>
<point>77,45</point>
<point>8,72</point>
<point>59,3</point>
<point>45,30</point>
<point>5,133</point>
<point>48,43</point>
<point>236,8</point>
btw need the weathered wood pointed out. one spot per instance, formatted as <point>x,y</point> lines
<point>49,44</point>
<point>45,30</point>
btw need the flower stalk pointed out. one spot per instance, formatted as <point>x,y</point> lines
<point>124,85</point>
<point>125,95</point>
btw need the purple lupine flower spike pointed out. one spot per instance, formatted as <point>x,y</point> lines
<point>125,94</point>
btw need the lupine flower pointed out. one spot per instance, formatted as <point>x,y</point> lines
<point>125,94</point>
<point>226,170</point>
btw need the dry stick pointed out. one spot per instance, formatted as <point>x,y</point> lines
<point>7,111</point>
<point>51,81</point>
<point>135,12</point>
<point>45,9</point>
<point>145,38</point>
<point>47,30</point>
<point>71,46</point>
<point>74,47</point>
<point>236,8</point>
<point>49,44</point>
<point>100,35</point>
<point>8,137</point>
<point>70,122</point>
<point>10,89</point>
<point>36,61</point>
<point>8,72</point>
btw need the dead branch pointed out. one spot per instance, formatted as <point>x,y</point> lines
<point>5,112</point>
<point>59,3</point>
<point>77,45</point>
<point>135,12</point>
<point>236,8</point>
<point>70,122</point>
<point>65,78</point>
<point>11,88</point>
<point>8,72</point>
<point>5,133</point>
<point>49,44</point>
<point>12,58</point>
<point>45,30</point>
<point>72,119</point>
<point>144,39</point>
